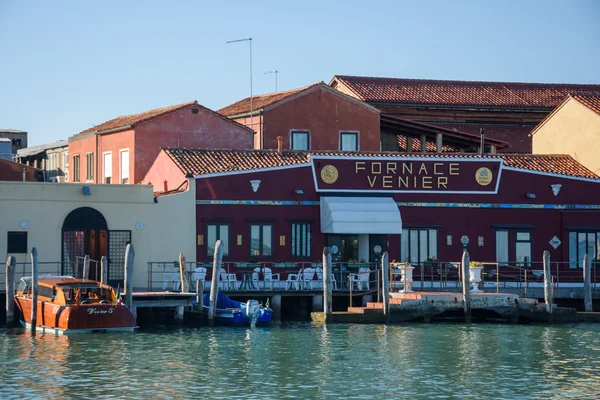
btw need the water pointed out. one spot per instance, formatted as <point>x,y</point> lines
<point>301,360</point>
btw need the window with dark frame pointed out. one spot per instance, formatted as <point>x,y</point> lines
<point>520,241</point>
<point>216,232</point>
<point>348,141</point>
<point>417,245</point>
<point>301,239</point>
<point>89,170</point>
<point>76,170</point>
<point>16,242</point>
<point>523,248</point>
<point>261,240</point>
<point>300,140</point>
<point>583,242</point>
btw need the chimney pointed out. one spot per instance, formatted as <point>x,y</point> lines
<point>279,144</point>
<point>166,186</point>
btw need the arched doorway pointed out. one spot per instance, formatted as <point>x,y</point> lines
<point>85,232</point>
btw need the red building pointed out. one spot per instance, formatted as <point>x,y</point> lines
<point>508,111</point>
<point>123,149</point>
<point>317,117</point>
<point>286,206</point>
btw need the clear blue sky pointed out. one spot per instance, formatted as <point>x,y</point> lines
<point>69,65</point>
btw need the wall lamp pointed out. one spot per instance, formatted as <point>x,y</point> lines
<point>299,191</point>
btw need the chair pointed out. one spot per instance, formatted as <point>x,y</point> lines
<point>225,279</point>
<point>269,276</point>
<point>307,278</point>
<point>362,278</point>
<point>198,274</point>
<point>171,278</point>
<point>255,274</point>
<point>319,272</point>
<point>293,280</point>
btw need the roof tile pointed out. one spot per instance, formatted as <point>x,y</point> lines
<point>261,101</point>
<point>461,93</point>
<point>590,101</point>
<point>202,162</point>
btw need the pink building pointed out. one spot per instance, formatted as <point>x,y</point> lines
<point>123,149</point>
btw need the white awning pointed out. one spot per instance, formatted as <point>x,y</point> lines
<point>360,215</point>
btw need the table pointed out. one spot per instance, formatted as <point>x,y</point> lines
<point>247,282</point>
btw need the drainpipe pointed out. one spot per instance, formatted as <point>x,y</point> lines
<point>482,133</point>
<point>165,186</point>
<point>23,174</point>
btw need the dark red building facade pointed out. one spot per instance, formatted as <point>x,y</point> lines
<point>269,206</point>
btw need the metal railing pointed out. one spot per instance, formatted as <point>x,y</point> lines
<point>165,275</point>
<point>44,268</point>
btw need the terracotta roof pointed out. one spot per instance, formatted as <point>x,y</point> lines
<point>590,101</point>
<point>202,162</point>
<point>460,93</point>
<point>127,121</point>
<point>261,101</point>
<point>517,136</point>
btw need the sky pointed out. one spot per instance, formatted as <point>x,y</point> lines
<point>68,65</point>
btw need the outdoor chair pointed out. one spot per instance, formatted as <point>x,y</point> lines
<point>198,274</point>
<point>319,272</point>
<point>307,278</point>
<point>361,279</point>
<point>270,277</point>
<point>171,278</point>
<point>255,277</point>
<point>227,281</point>
<point>293,280</point>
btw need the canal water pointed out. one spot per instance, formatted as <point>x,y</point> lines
<point>302,360</point>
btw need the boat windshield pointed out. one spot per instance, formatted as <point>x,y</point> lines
<point>87,294</point>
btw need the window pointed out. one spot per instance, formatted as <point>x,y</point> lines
<point>89,166</point>
<point>417,245</point>
<point>261,240</point>
<point>107,165</point>
<point>76,168</point>
<point>216,232</point>
<point>65,165</point>
<point>582,243</point>
<point>17,242</point>
<point>124,166</point>
<point>522,245</point>
<point>523,249</point>
<point>52,167</point>
<point>300,140</point>
<point>348,141</point>
<point>301,239</point>
<point>502,247</point>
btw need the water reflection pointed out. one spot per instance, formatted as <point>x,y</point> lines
<point>307,361</point>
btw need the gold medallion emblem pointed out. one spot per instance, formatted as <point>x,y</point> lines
<point>484,176</point>
<point>329,174</point>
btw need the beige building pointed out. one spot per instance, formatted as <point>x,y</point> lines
<point>67,221</point>
<point>572,128</point>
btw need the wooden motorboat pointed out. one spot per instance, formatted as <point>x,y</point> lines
<point>67,305</point>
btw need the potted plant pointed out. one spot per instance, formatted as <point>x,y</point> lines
<point>475,268</point>
<point>318,263</point>
<point>431,261</point>
<point>279,264</point>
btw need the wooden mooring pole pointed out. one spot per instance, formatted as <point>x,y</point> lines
<point>587,283</point>
<point>327,289</point>
<point>182,274</point>
<point>129,256</point>
<point>104,270</point>
<point>199,295</point>
<point>34,289</point>
<point>11,263</point>
<point>466,287</point>
<point>214,285</point>
<point>385,272</point>
<point>547,282</point>
<point>86,267</point>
